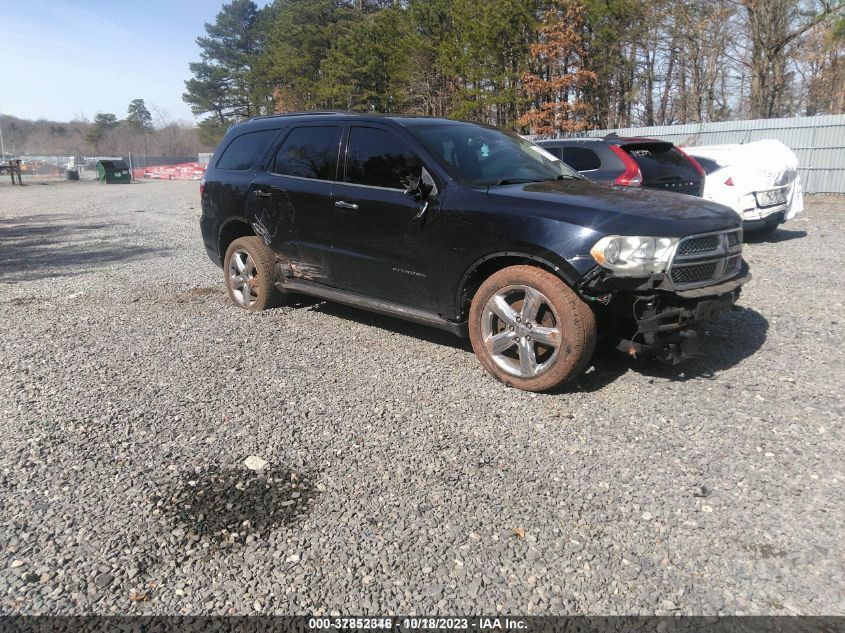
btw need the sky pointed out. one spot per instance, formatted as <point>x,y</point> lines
<point>65,59</point>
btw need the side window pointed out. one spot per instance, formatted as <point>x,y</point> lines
<point>580,158</point>
<point>309,152</point>
<point>242,152</point>
<point>554,151</point>
<point>377,158</point>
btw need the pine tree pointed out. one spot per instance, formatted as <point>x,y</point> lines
<point>103,123</point>
<point>138,117</point>
<point>428,78</point>
<point>488,55</point>
<point>301,34</point>
<point>226,83</point>
<point>365,68</point>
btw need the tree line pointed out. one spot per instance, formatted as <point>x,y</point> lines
<point>538,66</point>
<point>143,131</point>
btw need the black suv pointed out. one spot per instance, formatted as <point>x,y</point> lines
<point>632,162</point>
<point>466,228</point>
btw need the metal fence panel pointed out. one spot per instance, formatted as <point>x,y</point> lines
<point>818,141</point>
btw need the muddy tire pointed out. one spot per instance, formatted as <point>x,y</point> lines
<point>248,270</point>
<point>530,330</point>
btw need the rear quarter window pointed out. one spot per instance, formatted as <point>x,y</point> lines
<point>244,150</point>
<point>660,160</point>
<point>580,158</point>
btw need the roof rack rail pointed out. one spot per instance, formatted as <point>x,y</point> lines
<point>281,114</point>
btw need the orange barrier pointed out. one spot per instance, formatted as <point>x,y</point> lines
<point>182,171</point>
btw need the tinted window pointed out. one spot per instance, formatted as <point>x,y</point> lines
<point>554,151</point>
<point>660,160</point>
<point>379,159</point>
<point>309,152</point>
<point>708,164</point>
<point>242,152</point>
<point>580,158</point>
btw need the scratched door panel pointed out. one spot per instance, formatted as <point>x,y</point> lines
<point>297,191</point>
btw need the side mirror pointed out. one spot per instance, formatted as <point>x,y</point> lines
<point>412,187</point>
<point>422,187</point>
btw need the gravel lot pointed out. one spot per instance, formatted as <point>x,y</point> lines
<point>400,478</point>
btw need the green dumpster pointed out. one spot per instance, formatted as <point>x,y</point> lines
<point>113,171</point>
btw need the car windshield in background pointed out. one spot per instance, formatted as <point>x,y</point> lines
<point>483,157</point>
<point>659,161</point>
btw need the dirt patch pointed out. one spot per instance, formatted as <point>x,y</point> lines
<point>192,295</point>
<point>203,292</point>
<point>25,301</point>
<point>227,504</point>
<point>198,293</point>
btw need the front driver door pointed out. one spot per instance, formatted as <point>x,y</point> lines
<point>382,247</point>
<point>294,198</point>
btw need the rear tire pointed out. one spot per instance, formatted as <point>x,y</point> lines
<point>530,330</point>
<point>248,269</point>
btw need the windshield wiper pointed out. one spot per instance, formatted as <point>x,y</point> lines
<point>514,181</point>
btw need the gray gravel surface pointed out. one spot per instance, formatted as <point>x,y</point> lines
<point>399,476</point>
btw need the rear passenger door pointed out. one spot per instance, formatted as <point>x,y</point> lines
<point>381,248</point>
<point>292,198</point>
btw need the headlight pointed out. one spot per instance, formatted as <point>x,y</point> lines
<point>634,256</point>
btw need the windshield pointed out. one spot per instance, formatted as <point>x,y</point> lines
<point>483,157</point>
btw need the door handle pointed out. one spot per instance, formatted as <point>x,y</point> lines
<point>422,211</point>
<point>263,194</point>
<point>340,204</point>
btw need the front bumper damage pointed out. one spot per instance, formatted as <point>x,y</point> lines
<point>753,224</point>
<point>646,317</point>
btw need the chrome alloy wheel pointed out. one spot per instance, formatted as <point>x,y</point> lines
<point>520,329</point>
<point>243,278</point>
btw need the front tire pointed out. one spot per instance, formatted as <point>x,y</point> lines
<point>530,330</point>
<point>248,268</point>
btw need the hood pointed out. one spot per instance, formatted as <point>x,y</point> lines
<point>611,209</point>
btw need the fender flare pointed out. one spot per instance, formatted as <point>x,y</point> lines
<point>562,269</point>
<point>227,222</point>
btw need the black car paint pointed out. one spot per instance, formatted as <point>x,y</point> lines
<point>384,250</point>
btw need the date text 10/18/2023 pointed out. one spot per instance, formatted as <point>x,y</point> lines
<point>417,623</point>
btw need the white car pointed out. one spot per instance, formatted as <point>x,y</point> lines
<point>758,180</point>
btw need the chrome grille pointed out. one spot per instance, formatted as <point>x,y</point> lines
<point>692,246</point>
<point>701,260</point>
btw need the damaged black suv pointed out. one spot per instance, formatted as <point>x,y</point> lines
<point>470,229</point>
